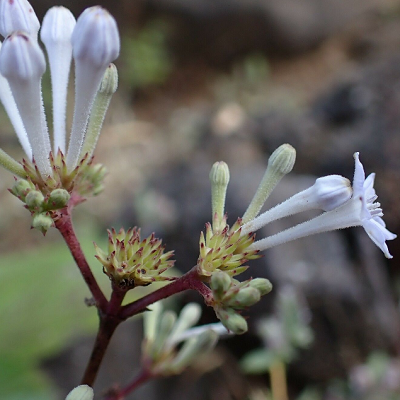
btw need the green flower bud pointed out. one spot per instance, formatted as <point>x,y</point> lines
<point>220,284</point>
<point>42,222</point>
<point>280,163</point>
<point>82,392</point>
<point>34,200</point>
<point>282,159</point>
<point>164,328</point>
<point>58,199</point>
<point>21,188</point>
<point>264,286</point>
<point>219,177</point>
<point>232,320</point>
<point>246,297</point>
<point>109,83</point>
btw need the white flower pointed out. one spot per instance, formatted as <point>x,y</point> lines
<point>94,43</point>
<point>360,210</point>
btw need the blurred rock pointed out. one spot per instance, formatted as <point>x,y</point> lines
<point>223,30</point>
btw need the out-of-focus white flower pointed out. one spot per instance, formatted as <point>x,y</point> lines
<point>164,332</point>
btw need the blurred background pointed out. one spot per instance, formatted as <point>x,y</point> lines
<point>231,80</point>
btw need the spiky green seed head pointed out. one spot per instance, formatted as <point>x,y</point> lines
<point>225,250</point>
<point>131,261</point>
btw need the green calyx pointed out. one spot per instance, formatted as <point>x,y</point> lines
<point>131,261</point>
<point>225,250</point>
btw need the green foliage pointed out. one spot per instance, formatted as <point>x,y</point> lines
<point>146,57</point>
<point>34,287</point>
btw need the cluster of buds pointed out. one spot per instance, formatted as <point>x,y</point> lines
<point>231,296</point>
<point>171,343</point>
<point>92,41</point>
<point>131,262</point>
<point>38,204</point>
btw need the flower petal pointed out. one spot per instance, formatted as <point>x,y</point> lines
<point>378,234</point>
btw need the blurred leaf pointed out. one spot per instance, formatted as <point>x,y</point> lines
<point>257,361</point>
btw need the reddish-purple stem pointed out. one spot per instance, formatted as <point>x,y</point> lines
<point>190,280</point>
<point>63,223</point>
<point>120,394</point>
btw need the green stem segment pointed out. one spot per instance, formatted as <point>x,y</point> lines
<point>11,165</point>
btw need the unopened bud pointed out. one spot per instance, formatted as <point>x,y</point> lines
<point>264,286</point>
<point>42,222</point>
<point>331,191</point>
<point>82,392</point>
<point>58,198</point>
<point>220,284</point>
<point>21,188</point>
<point>109,83</point>
<point>280,163</point>
<point>282,159</point>
<point>34,200</point>
<point>232,320</point>
<point>17,15</point>
<point>95,37</point>
<point>246,297</point>
<point>219,178</point>
<point>164,329</point>
<point>21,58</point>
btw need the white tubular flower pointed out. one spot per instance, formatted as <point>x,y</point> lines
<point>82,392</point>
<point>327,193</point>
<point>96,44</point>
<point>360,210</point>
<point>22,63</point>
<point>8,102</point>
<point>18,15</point>
<point>56,32</point>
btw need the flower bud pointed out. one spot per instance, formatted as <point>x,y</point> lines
<point>17,15</point>
<point>82,392</point>
<point>42,222</point>
<point>282,159</point>
<point>331,191</point>
<point>232,320</point>
<point>21,58</point>
<point>219,177</point>
<point>246,297</point>
<point>58,198</point>
<point>109,83</point>
<point>189,316</point>
<point>21,188</point>
<point>34,200</point>
<point>280,163</point>
<point>95,37</point>
<point>220,284</point>
<point>264,286</point>
<point>164,328</point>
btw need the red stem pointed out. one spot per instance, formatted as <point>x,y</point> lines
<point>120,394</point>
<point>190,280</point>
<point>63,223</point>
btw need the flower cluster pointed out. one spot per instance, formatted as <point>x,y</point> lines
<point>223,251</point>
<point>131,262</point>
<point>93,43</point>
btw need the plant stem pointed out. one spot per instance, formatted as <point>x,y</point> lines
<point>278,381</point>
<point>120,394</point>
<point>63,223</point>
<point>190,280</point>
